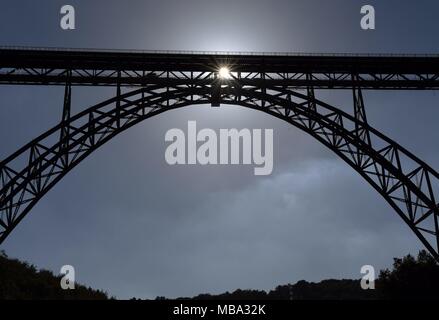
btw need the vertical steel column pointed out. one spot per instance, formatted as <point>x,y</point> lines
<point>312,106</point>
<point>361,125</point>
<point>65,122</point>
<point>118,93</point>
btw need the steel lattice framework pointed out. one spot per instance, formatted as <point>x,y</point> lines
<point>170,81</point>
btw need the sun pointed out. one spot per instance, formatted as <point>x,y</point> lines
<point>224,73</point>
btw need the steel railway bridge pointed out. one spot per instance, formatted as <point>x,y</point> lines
<point>281,85</point>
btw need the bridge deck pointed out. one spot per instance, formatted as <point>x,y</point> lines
<point>108,68</point>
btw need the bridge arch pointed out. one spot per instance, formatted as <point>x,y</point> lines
<point>408,184</point>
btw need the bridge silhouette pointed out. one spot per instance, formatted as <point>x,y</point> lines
<point>282,85</point>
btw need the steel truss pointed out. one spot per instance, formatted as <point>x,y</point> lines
<point>408,184</point>
<point>282,86</point>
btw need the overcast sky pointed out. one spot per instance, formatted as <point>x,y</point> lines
<point>135,226</point>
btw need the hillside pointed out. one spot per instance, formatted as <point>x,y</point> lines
<point>20,280</point>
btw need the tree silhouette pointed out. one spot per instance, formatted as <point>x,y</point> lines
<point>411,278</point>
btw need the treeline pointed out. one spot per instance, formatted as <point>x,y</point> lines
<point>22,281</point>
<point>411,278</point>
<point>302,290</point>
